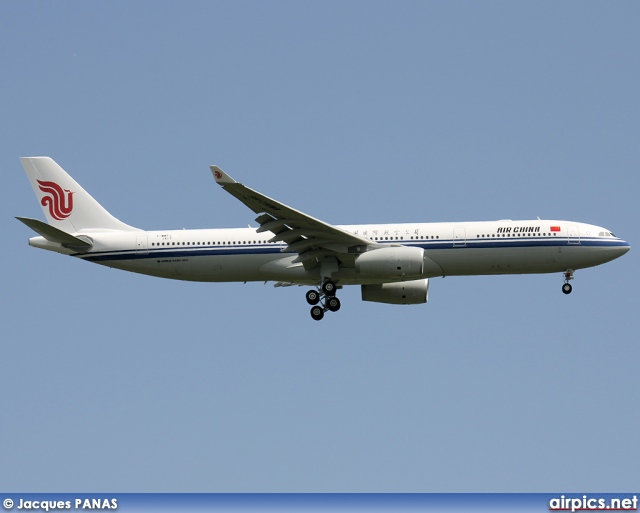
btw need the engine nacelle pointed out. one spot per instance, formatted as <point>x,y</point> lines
<point>392,262</point>
<point>402,293</point>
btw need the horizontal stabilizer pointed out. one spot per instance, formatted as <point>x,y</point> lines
<point>54,235</point>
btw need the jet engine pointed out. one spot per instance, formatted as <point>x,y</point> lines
<point>392,262</point>
<point>402,293</point>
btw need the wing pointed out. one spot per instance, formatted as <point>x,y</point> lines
<point>311,238</point>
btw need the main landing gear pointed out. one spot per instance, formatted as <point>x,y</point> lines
<point>568,275</point>
<point>326,296</point>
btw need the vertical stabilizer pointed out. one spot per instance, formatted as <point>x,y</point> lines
<point>65,204</point>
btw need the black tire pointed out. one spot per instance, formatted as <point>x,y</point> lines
<point>317,313</point>
<point>313,298</point>
<point>333,304</point>
<point>567,288</point>
<point>329,288</point>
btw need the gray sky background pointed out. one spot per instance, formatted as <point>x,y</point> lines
<point>353,112</point>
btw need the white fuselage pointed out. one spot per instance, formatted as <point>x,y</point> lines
<point>242,254</point>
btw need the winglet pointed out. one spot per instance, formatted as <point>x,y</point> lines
<point>220,176</point>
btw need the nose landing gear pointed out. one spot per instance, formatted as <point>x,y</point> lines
<point>326,296</point>
<point>568,275</point>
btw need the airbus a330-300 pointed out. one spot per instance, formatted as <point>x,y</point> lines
<point>392,263</point>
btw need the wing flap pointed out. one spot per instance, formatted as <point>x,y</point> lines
<point>273,225</point>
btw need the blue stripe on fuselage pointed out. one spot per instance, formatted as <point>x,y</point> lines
<point>481,243</point>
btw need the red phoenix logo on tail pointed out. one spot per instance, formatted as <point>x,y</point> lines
<point>60,202</point>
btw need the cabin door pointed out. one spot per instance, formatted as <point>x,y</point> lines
<point>573,233</point>
<point>141,245</point>
<point>459,237</point>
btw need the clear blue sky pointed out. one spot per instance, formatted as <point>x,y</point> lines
<point>353,112</point>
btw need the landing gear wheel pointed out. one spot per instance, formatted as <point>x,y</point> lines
<point>313,297</point>
<point>317,313</point>
<point>333,304</point>
<point>567,288</point>
<point>329,288</point>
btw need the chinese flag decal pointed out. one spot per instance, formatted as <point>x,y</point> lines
<point>555,228</point>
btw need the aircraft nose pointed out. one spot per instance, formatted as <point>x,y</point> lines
<point>622,248</point>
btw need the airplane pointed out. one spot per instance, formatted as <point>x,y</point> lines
<point>392,263</point>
